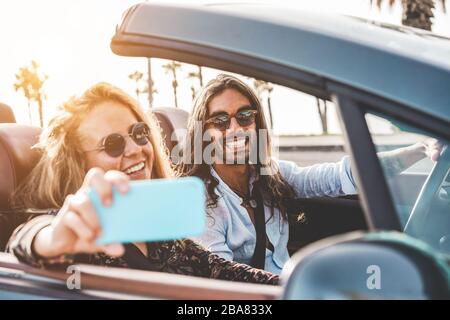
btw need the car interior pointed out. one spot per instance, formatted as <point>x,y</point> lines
<point>420,193</point>
<point>17,158</point>
<point>327,234</point>
<point>311,219</point>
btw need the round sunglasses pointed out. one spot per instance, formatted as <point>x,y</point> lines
<point>114,144</point>
<point>222,122</point>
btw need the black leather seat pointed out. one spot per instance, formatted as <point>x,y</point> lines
<point>6,114</point>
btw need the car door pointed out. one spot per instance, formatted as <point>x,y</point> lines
<point>20,281</point>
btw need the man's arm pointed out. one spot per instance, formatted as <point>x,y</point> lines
<point>398,160</point>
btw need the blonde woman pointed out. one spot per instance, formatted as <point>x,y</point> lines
<point>100,140</point>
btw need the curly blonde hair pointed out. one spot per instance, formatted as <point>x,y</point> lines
<point>61,168</point>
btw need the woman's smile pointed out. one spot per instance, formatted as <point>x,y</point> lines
<point>138,171</point>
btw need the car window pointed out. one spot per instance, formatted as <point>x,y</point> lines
<point>420,192</point>
<point>305,129</point>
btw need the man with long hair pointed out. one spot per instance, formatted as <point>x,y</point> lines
<point>228,146</point>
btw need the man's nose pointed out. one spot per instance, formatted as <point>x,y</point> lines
<point>234,126</point>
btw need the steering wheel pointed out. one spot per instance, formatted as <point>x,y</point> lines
<point>431,186</point>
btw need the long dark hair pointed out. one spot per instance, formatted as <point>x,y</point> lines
<point>274,188</point>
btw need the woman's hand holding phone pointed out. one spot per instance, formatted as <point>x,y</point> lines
<point>76,227</point>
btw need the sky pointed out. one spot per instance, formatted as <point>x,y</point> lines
<point>70,40</point>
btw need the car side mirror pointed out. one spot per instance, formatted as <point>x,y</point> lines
<point>384,265</point>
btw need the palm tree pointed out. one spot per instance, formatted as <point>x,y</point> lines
<point>200,75</point>
<point>322,108</point>
<point>192,75</point>
<point>172,67</point>
<point>31,82</point>
<point>137,77</point>
<point>142,85</point>
<point>145,89</point>
<point>23,83</point>
<point>196,75</point>
<point>416,13</point>
<point>262,87</point>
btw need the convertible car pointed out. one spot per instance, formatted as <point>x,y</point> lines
<point>391,241</point>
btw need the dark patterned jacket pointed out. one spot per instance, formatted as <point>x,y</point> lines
<point>179,256</point>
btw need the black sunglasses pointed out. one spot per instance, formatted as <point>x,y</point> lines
<point>114,144</point>
<point>244,118</point>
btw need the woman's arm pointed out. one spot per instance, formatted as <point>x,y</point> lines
<point>189,258</point>
<point>21,243</point>
<point>47,240</point>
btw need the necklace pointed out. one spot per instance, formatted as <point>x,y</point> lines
<point>247,200</point>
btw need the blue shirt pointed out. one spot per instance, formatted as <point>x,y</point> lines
<point>230,232</point>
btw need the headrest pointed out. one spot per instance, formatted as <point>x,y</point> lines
<point>171,119</point>
<point>6,114</point>
<point>16,157</point>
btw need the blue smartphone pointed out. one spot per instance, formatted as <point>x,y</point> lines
<point>153,210</point>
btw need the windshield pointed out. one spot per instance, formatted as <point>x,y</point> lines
<point>420,192</point>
